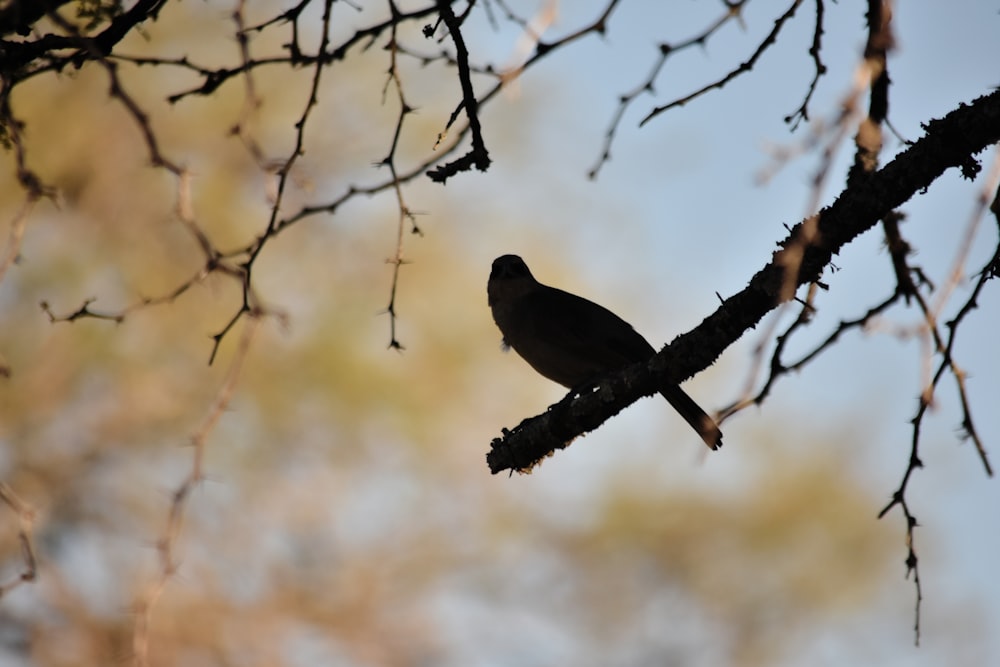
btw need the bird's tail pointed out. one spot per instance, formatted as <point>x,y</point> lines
<point>693,415</point>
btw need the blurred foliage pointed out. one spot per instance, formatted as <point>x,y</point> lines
<point>347,518</point>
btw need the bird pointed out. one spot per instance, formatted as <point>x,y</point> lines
<point>573,341</point>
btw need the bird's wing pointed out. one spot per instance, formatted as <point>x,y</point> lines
<point>585,330</point>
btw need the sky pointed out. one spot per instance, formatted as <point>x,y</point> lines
<point>679,214</point>
<point>677,218</point>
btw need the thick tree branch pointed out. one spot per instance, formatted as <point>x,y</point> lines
<point>948,142</point>
<point>23,57</point>
<point>19,15</point>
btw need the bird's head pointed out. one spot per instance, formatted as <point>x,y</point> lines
<point>510,279</point>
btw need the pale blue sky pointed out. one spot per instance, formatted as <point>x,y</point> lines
<point>674,218</point>
<point>677,215</point>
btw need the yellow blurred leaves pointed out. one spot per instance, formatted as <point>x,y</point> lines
<point>795,543</point>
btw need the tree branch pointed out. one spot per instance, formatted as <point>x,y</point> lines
<point>478,156</point>
<point>948,142</point>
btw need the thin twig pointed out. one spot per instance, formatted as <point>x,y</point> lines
<point>26,521</point>
<point>477,156</point>
<point>648,84</point>
<point>405,214</point>
<point>166,545</point>
<point>819,69</point>
<point>741,69</point>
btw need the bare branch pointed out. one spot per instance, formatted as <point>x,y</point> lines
<point>405,214</point>
<point>743,67</point>
<point>666,50</point>
<point>819,69</point>
<point>17,225</point>
<point>478,156</point>
<point>947,143</point>
<point>166,545</point>
<point>26,520</point>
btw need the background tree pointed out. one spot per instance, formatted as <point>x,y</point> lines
<point>219,182</point>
